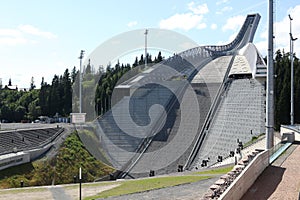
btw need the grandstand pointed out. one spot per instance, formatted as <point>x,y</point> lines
<point>24,145</point>
<point>167,117</point>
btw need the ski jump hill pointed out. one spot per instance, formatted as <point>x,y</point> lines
<point>189,110</point>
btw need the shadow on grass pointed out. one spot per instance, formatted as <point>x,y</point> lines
<point>16,170</point>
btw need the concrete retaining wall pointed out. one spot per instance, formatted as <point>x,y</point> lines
<point>244,181</point>
<point>35,153</point>
<point>13,159</point>
<point>294,135</point>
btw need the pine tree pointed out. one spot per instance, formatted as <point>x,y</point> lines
<point>74,74</point>
<point>32,85</point>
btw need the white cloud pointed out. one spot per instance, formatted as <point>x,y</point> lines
<point>213,26</point>
<point>234,23</point>
<point>281,33</point>
<point>132,23</point>
<point>9,36</point>
<point>262,47</point>
<point>230,39</point>
<point>29,29</point>
<point>224,9</point>
<point>227,9</point>
<point>222,2</point>
<point>201,26</point>
<point>10,32</point>
<point>232,36</point>
<point>187,21</point>
<point>198,9</point>
<point>282,29</point>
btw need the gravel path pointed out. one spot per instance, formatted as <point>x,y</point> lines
<point>281,180</point>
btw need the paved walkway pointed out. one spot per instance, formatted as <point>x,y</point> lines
<point>58,193</point>
<point>281,180</point>
<point>261,144</point>
<point>188,191</point>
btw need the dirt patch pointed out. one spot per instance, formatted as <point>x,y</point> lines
<point>88,191</point>
<point>25,195</point>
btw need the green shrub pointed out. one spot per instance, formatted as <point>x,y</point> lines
<point>60,169</point>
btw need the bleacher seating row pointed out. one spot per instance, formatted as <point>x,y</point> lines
<point>18,140</point>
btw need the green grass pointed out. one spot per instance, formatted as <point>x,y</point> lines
<point>254,139</point>
<point>61,168</point>
<point>134,186</point>
<point>215,171</point>
<point>16,170</point>
<point>95,184</point>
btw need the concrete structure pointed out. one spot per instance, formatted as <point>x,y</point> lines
<point>13,159</point>
<point>25,145</point>
<point>240,113</point>
<point>243,182</point>
<point>137,135</point>
<point>290,133</point>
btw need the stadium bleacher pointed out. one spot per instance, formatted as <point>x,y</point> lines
<point>19,140</point>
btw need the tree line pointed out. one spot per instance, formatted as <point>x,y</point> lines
<point>56,97</point>
<point>111,76</point>
<point>27,105</point>
<point>282,88</point>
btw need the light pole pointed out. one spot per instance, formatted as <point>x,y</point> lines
<point>270,82</point>
<point>80,81</point>
<point>79,183</point>
<point>146,33</point>
<point>292,70</point>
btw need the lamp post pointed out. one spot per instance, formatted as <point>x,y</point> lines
<point>146,33</point>
<point>270,82</point>
<point>292,70</point>
<point>79,183</point>
<point>80,81</point>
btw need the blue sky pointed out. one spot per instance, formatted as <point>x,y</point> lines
<point>42,37</point>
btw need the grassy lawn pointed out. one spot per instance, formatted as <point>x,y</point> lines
<point>216,171</point>
<point>71,155</point>
<point>254,139</point>
<point>134,186</point>
<point>87,185</point>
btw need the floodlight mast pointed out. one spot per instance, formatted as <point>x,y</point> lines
<point>270,83</point>
<point>80,81</point>
<point>146,33</point>
<point>292,70</point>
